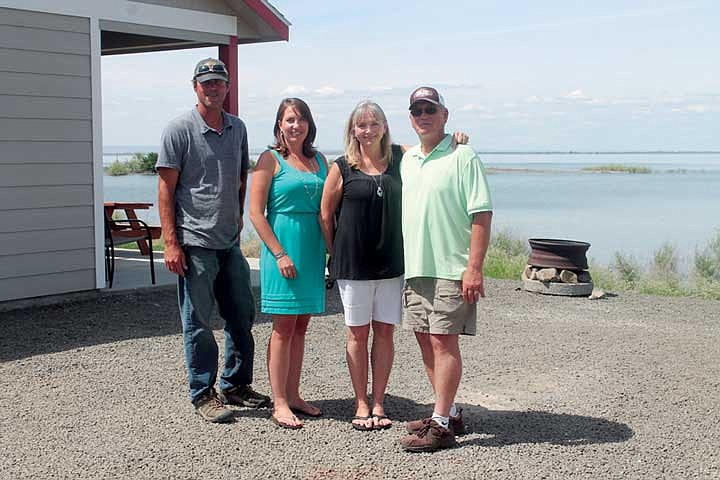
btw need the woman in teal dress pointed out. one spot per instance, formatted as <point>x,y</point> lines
<point>285,195</point>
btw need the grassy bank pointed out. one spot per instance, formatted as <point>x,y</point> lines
<point>139,163</point>
<point>616,168</point>
<point>507,256</point>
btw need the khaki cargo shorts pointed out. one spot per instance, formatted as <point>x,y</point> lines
<point>436,305</point>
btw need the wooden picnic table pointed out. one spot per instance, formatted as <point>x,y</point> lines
<point>129,209</point>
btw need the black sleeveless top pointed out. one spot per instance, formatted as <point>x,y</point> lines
<point>368,237</point>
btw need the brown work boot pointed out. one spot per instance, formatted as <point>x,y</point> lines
<point>211,409</point>
<point>430,438</point>
<point>456,424</point>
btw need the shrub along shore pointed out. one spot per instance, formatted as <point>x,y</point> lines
<point>508,255</point>
<point>139,163</point>
<point>615,168</point>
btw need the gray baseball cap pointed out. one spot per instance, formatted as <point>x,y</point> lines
<point>210,69</point>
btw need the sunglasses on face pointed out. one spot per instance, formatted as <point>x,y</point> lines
<point>214,68</point>
<point>417,111</point>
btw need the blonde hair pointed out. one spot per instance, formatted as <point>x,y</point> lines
<point>352,146</point>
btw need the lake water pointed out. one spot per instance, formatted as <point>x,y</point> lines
<point>550,196</point>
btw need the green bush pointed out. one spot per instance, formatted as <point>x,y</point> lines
<point>504,241</point>
<point>707,261</point>
<point>664,267</point>
<point>626,268</point>
<point>143,162</point>
<point>139,163</point>
<point>500,265</point>
<point>703,288</point>
<point>605,278</point>
<point>117,168</point>
<point>506,257</point>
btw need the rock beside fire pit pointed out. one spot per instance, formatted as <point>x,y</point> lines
<point>551,281</point>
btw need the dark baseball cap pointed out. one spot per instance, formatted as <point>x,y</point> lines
<point>426,94</point>
<point>210,69</point>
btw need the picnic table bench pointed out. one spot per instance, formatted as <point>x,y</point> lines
<point>131,231</point>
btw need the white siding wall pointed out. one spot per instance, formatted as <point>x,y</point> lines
<point>46,171</point>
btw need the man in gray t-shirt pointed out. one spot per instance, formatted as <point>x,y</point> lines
<point>203,165</point>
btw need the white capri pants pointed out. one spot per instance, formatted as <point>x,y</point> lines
<point>366,300</point>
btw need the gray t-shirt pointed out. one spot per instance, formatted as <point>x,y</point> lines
<point>210,164</point>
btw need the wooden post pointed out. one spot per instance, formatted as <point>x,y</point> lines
<point>229,56</point>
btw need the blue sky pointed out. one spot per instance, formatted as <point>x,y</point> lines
<point>516,75</point>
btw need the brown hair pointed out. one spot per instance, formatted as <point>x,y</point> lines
<point>304,111</point>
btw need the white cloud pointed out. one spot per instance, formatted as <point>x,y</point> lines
<point>536,99</point>
<point>697,108</point>
<point>518,115</point>
<point>380,88</point>
<point>328,91</point>
<point>580,96</point>
<point>643,111</point>
<point>473,107</point>
<point>576,95</point>
<point>469,85</point>
<point>294,90</point>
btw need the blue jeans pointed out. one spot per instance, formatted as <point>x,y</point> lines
<point>222,277</point>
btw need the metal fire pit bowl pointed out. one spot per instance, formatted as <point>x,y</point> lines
<point>554,253</point>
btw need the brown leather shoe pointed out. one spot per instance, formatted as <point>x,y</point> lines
<point>211,409</point>
<point>456,424</point>
<point>430,438</point>
<point>244,396</point>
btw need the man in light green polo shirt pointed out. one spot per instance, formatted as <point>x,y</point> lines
<point>446,219</point>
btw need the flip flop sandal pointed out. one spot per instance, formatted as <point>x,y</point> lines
<point>279,422</point>
<point>376,422</point>
<point>300,411</point>
<point>361,426</point>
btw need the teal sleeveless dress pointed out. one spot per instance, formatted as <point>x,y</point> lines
<point>293,206</point>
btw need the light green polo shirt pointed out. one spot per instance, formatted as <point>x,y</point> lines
<point>441,192</point>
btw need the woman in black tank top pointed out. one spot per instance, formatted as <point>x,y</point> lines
<point>360,218</point>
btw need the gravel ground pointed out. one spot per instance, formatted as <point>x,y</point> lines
<point>625,387</point>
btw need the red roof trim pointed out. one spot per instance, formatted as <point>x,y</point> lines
<point>280,27</point>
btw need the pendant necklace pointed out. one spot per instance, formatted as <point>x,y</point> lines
<point>298,174</point>
<point>379,192</point>
<point>315,190</point>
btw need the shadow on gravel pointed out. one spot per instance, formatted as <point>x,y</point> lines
<point>396,408</point>
<point>506,427</point>
<point>105,319</point>
<point>108,318</point>
<point>497,428</point>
